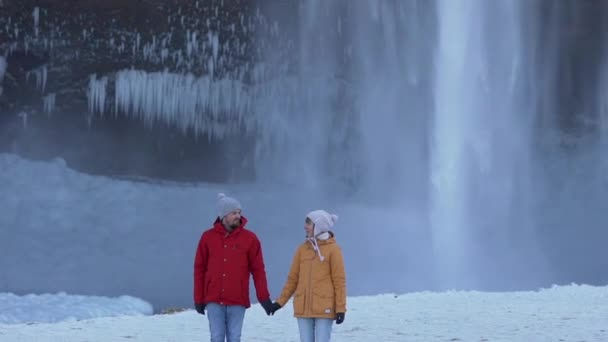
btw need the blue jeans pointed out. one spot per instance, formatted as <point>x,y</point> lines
<point>225,321</point>
<point>315,329</point>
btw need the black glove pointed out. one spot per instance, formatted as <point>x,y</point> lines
<point>200,308</point>
<point>340,317</point>
<point>275,307</point>
<point>267,305</point>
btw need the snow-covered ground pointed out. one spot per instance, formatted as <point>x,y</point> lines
<point>52,308</point>
<point>567,313</point>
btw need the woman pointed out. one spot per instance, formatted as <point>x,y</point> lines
<point>317,279</point>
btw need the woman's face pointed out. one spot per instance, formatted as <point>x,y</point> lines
<point>309,227</point>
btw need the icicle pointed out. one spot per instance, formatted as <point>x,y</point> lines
<point>36,15</point>
<point>48,103</point>
<point>3,66</point>
<point>216,45</point>
<point>188,102</point>
<point>210,66</point>
<point>96,94</point>
<point>275,28</point>
<point>41,77</point>
<point>375,11</point>
<point>188,44</point>
<point>164,54</point>
<point>23,116</point>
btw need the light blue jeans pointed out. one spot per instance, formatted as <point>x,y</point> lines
<point>315,329</point>
<point>225,322</point>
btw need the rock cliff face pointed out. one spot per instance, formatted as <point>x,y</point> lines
<point>82,79</point>
<point>60,99</point>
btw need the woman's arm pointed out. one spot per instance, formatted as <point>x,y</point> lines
<point>292,280</point>
<point>338,278</point>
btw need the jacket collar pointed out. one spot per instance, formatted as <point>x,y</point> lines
<point>315,243</point>
<point>219,227</point>
<point>326,241</point>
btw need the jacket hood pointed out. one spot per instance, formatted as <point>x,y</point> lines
<point>331,239</point>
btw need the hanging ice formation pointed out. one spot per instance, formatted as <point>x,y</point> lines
<point>97,94</point>
<point>199,103</point>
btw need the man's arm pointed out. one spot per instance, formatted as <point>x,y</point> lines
<point>258,270</point>
<point>200,268</point>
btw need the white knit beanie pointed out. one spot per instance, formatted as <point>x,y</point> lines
<point>323,220</point>
<point>226,205</point>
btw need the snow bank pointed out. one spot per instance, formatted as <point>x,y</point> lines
<point>565,313</point>
<point>51,308</point>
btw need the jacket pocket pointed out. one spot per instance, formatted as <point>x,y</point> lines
<point>299,303</point>
<point>323,303</point>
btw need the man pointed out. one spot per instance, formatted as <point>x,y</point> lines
<point>226,255</point>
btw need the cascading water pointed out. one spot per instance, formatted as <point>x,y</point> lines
<point>440,125</point>
<point>360,100</point>
<point>480,133</point>
<point>390,50</point>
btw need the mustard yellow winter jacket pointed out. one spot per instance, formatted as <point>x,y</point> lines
<point>318,287</point>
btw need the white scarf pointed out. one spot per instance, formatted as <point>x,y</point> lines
<point>315,245</point>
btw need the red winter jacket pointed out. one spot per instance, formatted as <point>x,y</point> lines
<point>223,263</point>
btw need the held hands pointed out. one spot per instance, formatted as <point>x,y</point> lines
<point>267,305</point>
<point>340,317</point>
<point>200,308</point>
<point>270,307</point>
<point>275,307</point>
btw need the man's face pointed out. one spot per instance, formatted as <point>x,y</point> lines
<point>233,219</point>
<point>309,227</point>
